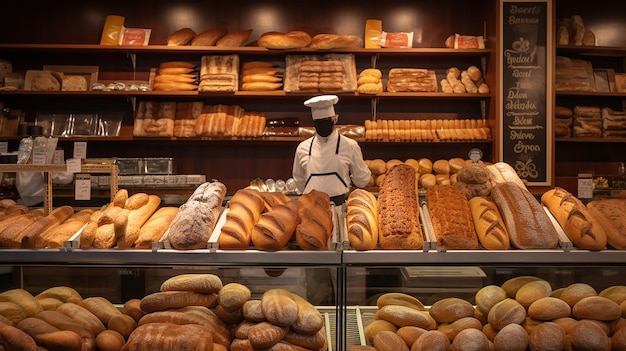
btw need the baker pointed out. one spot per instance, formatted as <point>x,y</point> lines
<point>327,161</point>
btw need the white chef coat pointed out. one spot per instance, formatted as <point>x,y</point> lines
<point>330,165</point>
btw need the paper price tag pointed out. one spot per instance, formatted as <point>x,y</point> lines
<point>585,185</point>
<point>82,187</point>
<point>74,165</point>
<point>80,149</point>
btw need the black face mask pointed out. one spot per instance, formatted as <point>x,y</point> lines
<point>324,127</point>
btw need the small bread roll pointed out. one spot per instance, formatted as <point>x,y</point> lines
<point>452,329</point>
<point>392,163</point>
<point>507,311</point>
<point>432,340</point>
<point>532,292</point>
<point>428,180</point>
<point>549,308</point>
<point>597,308</point>
<point>389,341</point>
<point>377,166</point>
<point>456,164</point>
<point>450,309</point>
<point>401,299</point>
<point>586,335</point>
<point>425,166</point>
<point>488,296</point>
<point>512,285</point>
<point>413,163</point>
<point>616,293</point>
<point>376,326</point>
<point>441,167</point>
<point>576,292</point>
<point>470,340</point>
<point>410,333</point>
<point>547,336</point>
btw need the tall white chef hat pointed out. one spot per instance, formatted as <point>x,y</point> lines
<point>322,106</point>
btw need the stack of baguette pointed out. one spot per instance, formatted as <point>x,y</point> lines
<point>251,124</point>
<point>613,123</point>
<point>524,312</point>
<point>427,130</point>
<point>370,81</point>
<point>23,227</point>
<point>218,120</point>
<point>587,121</point>
<point>326,73</point>
<point>176,76</point>
<point>261,76</point>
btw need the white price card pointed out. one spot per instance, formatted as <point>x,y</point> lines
<point>80,149</point>
<point>4,146</point>
<point>58,157</point>
<point>82,187</point>
<point>585,185</point>
<point>73,165</point>
<point>39,158</point>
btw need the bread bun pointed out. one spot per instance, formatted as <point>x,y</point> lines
<point>410,333</point>
<point>233,296</point>
<point>403,316</point>
<point>413,163</point>
<point>532,291</point>
<point>507,311</point>
<point>389,341</point>
<point>456,164</point>
<point>470,340</point>
<point>400,299</point>
<point>450,309</point>
<point>547,336</point>
<point>512,285</point>
<point>181,37</point>
<point>376,326</point>
<point>488,296</point>
<point>512,337</point>
<point>549,308</point>
<point>586,335</point>
<point>200,283</point>
<point>441,167</point>
<point>392,162</point>
<point>432,340</point>
<point>377,166</point>
<point>452,329</point>
<point>596,307</point>
<point>425,166</point>
<point>616,293</point>
<point>575,292</point>
<point>428,180</point>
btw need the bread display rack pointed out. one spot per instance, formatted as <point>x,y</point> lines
<point>107,166</point>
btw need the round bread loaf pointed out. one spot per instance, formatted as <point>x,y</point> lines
<point>410,333</point>
<point>252,311</point>
<point>432,340</point>
<point>512,337</point>
<point>425,165</point>
<point>533,291</point>
<point>402,299</point>
<point>265,334</point>
<point>450,309</point>
<point>452,329</point>
<point>389,341</point>
<point>575,292</point>
<point>618,340</point>
<point>615,293</point>
<point>507,311</point>
<point>456,163</point>
<point>376,326</point>
<point>490,331</point>
<point>547,336</point>
<point>586,335</point>
<point>392,162</point>
<point>413,163</point>
<point>403,316</point>
<point>428,180</point>
<point>488,296</point>
<point>596,307</point>
<point>471,340</point>
<point>549,308</point>
<point>512,285</point>
<point>133,309</point>
<point>566,323</point>
<point>377,166</point>
<point>233,295</point>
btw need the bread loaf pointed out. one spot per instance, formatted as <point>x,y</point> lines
<point>398,219</point>
<point>265,334</point>
<point>362,219</point>
<point>82,316</point>
<point>31,233</point>
<point>62,293</point>
<point>279,308</point>
<point>324,41</point>
<point>533,291</point>
<point>547,336</point>
<point>548,308</point>
<point>138,213</point>
<point>596,308</point>
<point>610,214</point>
<point>207,38</point>
<point>244,210</point>
<point>389,341</point>
<point>401,299</point>
<point>63,322</point>
<point>581,228</point>
<point>573,293</point>
<point>196,282</point>
<point>507,311</point>
<point>432,340</point>
<point>109,340</point>
<point>155,227</point>
<point>276,227</point>
<point>233,296</point>
<point>221,334</point>
<point>490,228</point>
<point>234,39</point>
<point>316,341</point>
<point>181,37</point>
<point>176,299</point>
<point>11,228</point>
<point>471,339</point>
<point>123,324</point>
<point>487,296</point>
<point>452,329</point>
<point>12,338</point>
<point>451,217</point>
<point>316,221</point>
<point>24,299</point>
<point>56,236</point>
<point>170,337</point>
<point>100,307</point>
<point>450,309</point>
<point>376,326</point>
<point>290,40</point>
<point>132,308</point>
<point>528,225</point>
<point>403,316</point>
<point>196,219</point>
<point>512,337</point>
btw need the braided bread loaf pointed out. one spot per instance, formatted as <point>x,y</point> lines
<point>316,221</point>
<point>244,211</point>
<point>276,227</point>
<point>362,220</point>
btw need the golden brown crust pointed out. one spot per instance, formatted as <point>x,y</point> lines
<point>234,39</point>
<point>316,221</point>
<point>610,214</point>
<point>180,37</point>
<point>362,220</point>
<point>244,210</point>
<point>451,217</point>
<point>207,38</point>
<point>490,228</point>
<point>290,40</point>
<point>327,41</point>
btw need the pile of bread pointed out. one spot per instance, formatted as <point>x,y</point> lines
<point>428,172</point>
<point>469,80</point>
<point>209,37</point>
<point>370,81</point>
<point>589,121</point>
<point>572,31</point>
<point>573,75</point>
<point>190,311</point>
<point>176,76</point>
<point>271,221</point>
<point>523,313</point>
<point>411,80</point>
<point>188,119</point>
<point>432,130</point>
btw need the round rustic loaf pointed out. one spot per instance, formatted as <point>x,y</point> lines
<point>547,336</point>
<point>586,335</point>
<point>471,340</point>
<point>376,326</point>
<point>512,285</point>
<point>279,309</point>
<point>232,296</point>
<point>410,333</point>
<point>452,329</point>
<point>575,292</point>
<point>450,309</point>
<point>403,316</point>
<point>532,291</point>
<point>512,337</point>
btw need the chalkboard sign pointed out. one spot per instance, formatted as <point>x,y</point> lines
<point>526,133</point>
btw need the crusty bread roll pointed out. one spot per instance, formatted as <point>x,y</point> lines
<point>377,166</point>
<point>389,341</point>
<point>205,283</point>
<point>155,227</point>
<point>507,311</point>
<point>276,227</point>
<point>547,336</point>
<point>490,228</point>
<point>290,40</point>
<point>610,214</point>
<point>164,300</point>
<point>207,38</point>
<point>410,333</point>
<point>24,299</point>
<point>441,166</point>
<point>133,309</point>
<point>450,309</point>
<point>181,37</point>
<point>234,39</point>
<point>432,340</point>
<point>533,291</point>
<point>401,299</point>
<point>402,316</point>
<point>316,221</point>
<point>326,41</point>
<point>244,210</point>
<point>452,329</point>
<point>487,296</point>
<point>171,337</point>
<point>233,296</point>
<point>265,334</point>
<point>512,285</point>
<point>100,307</point>
<point>616,293</point>
<point>279,308</point>
<point>110,340</point>
<point>62,293</point>
<point>596,308</point>
<point>581,228</point>
<point>471,339</point>
<point>362,219</point>
<point>376,326</point>
<point>548,308</point>
<point>528,225</point>
<point>574,292</point>
<point>512,337</point>
<point>31,233</point>
<point>82,316</point>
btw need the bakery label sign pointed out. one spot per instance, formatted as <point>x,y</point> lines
<point>526,104</point>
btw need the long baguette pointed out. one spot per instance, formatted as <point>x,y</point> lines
<point>528,225</point>
<point>489,225</point>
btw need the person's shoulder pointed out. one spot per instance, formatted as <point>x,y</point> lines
<point>349,140</point>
